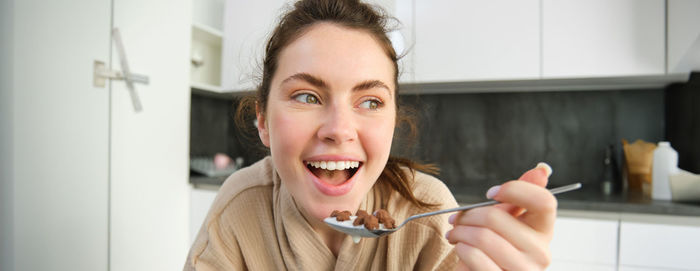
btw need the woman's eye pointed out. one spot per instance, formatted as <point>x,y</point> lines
<point>371,104</point>
<point>306,98</point>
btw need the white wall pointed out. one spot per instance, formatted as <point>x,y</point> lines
<point>6,152</point>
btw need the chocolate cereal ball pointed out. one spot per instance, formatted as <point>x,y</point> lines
<point>385,219</point>
<point>371,222</point>
<point>361,214</point>
<point>341,216</point>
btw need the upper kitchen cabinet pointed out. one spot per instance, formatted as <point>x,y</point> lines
<point>205,52</point>
<point>476,40</point>
<point>247,25</point>
<point>601,38</point>
<point>683,36</point>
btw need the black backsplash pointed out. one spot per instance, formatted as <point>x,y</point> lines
<point>482,139</point>
<point>213,130</point>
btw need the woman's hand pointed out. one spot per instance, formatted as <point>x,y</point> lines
<point>513,235</point>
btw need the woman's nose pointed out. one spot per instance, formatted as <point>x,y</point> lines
<point>337,126</point>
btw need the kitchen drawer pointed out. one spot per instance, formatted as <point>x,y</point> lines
<point>636,268</point>
<point>585,241</point>
<point>659,246</point>
<point>200,202</point>
<point>575,266</point>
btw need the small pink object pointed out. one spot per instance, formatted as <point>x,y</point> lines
<point>221,160</point>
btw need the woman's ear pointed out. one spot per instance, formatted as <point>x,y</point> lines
<point>261,123</point>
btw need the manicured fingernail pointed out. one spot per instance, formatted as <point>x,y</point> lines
<point>546,167</point>
<point>493,191</point>
<point>451,220</point>
<point>447,235</point>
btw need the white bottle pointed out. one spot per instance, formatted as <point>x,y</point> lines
<point>665,164</point>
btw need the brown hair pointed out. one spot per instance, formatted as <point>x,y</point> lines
<point>355,15</point>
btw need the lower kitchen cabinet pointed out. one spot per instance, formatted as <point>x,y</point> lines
<point>635,268</point>
<point>584,244</point>
<point>621,241</point>
<point>577,266</point>
<point>200,202</point>
<point>659,243</point>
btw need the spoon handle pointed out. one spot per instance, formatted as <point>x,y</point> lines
<point>554,191</point>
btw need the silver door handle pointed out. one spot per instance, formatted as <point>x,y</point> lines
<point>101,73</point>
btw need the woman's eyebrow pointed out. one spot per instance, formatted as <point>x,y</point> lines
<point>370,84</point>
<point>317,82</point>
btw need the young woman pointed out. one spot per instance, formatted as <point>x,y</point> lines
<point>327,109</point>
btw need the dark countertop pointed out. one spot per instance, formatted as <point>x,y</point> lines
<point>204,180</point>
<point>582,200</point>
<point>594,200</point>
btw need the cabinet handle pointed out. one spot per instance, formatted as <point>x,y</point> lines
<point>101,73</point>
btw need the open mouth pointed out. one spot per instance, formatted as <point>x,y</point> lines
<point>333,172</point>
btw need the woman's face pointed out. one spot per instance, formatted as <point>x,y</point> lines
<point>330,117</point>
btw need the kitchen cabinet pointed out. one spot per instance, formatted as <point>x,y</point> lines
<point>659,242</point>
<point>586,240</point>
<point>96,184</point>
<point>584,244</point>
<point>402,37</point>
<point>577,266</point>
<point>476,46</point>
<point>247,25</point>
<point>476,40</point>
<point>600,38</point>
<point>201,200</point>
<point>683,36</point>
<point>205,71</point>
<point>206,52</point>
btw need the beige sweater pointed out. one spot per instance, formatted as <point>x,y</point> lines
<point>254,224</point>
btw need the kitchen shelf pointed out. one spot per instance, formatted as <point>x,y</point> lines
<point>216,91</point>
<point>205,69</point>
<point>206,33</point>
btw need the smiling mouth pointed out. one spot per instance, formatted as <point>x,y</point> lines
<point>333,172</point>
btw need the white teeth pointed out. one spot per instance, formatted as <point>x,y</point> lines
<point>334,165</point>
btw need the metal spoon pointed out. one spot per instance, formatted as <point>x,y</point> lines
<point>360,231</point>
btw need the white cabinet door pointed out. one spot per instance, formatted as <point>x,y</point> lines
<point>683,36</point>
<point>476,40</point>
<point>636,268</point>
<point>96,185</point>
<point>200,203</point>
<point>61,135</point>
<point>594,38</point>
<point>404,13</point>
<point>247,25</point>
<point>149,149</point>
<point>584,242</point>
<point>659,246</point>
<point>578,266</point>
